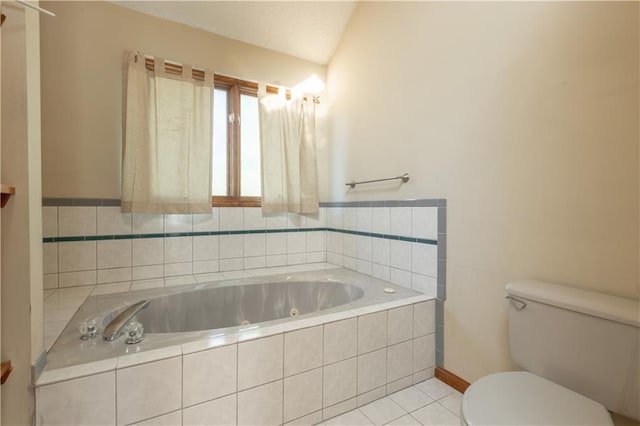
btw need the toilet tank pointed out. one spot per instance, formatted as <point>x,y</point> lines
<point>586,341</point>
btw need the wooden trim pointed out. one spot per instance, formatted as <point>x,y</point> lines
<point>5,370</point>
<point>2,18</point>
<point>220,201</point>
<point>451,379</point>
<point>7,191</point>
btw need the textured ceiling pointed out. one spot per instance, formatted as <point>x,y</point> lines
<point>309,30</point>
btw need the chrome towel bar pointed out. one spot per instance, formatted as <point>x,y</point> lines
<point>404,178</point>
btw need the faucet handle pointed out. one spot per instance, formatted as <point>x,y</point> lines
<point>88,329</point>
<point>134,332</point>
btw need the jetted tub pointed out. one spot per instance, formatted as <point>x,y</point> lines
<point>201,363</point>
<point>181,314</point>
<point>221,307</point>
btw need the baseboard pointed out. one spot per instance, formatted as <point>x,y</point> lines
<point>451,379</point>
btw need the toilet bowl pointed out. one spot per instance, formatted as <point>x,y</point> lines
<point>580,352</point>
<point>522,398</point>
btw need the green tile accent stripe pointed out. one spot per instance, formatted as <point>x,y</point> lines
<point>243,232</point>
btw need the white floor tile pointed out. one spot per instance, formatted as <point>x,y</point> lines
<point>352,418</point>
<point>410,399</point>
<point>382,411</point>
<point>452,402</point>
<point>407,420</point>
<point>435,414</point>
<point>435,388</point>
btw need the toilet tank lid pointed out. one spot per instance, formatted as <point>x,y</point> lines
<point>614,308</point>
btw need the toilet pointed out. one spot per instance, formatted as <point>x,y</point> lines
<point>580,353</point>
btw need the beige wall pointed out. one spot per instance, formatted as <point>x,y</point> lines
<point>81,86</point>
<point>525,117</point>
<point>22,328</point>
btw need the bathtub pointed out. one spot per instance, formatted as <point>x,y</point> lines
<point>268,350</point>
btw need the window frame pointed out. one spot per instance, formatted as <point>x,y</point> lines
<point>234,88</point>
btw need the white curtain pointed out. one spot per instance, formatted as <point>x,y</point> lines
<point>289,159</point>
<point>167,139</point>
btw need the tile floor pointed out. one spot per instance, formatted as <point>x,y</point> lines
<point>428,403</point>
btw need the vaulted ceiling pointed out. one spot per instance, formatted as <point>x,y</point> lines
<point>309,30</point>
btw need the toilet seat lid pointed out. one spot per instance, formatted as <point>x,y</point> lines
<point>522,398</point>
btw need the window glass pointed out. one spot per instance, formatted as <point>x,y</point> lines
<point>219,151</point>
<point>249,147</point>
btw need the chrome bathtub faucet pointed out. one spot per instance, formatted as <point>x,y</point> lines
<point>115,327</point>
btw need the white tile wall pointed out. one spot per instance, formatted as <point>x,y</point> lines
<point>207,387</point>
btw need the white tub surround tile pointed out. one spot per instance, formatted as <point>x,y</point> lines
<point>178,223</point>
<point>147,272</point>
<point>399,361</point>
<point>206,266</point>
<point>296,242</point>
<point>76,221</point>
<point>399,324</point>
<point>410,399</point>
<point>231,219</point>
<point>364,248</point>
<point>147,284</point>
<point>424,352</point>
<point>148,223</point>
<point>372,370</point>
<point>254,263</point>
<point>148,390</point>
<point>364,218</point>
<point>296,259</point>
<point>276,221</point>
<point>400,255</point>
<point>209,374</point>
<point>50,258</point>
<point>436,414</point>
<point>72,279</point>
<point>76,256</point>
<point>340,340</point>
<point>349,245</point>
<point>255,245</point>
<point>114,254</point>
<point>49,222</point>
<point>295,220</point>
<point>302,394</point>
<point>253,218</point>
<point>381,251</point>
<point>86,400</point>
<point>171,419</point>
<point>424,284</point>
<point>111,288</point>
<point>276,244</point>
<point>367,397</point>
<point>207,222</point>
<point>302,351</point>
<point>340,408</point>
<point>227,265</point>
<point>316,241</point>
<point>114,275</point>
<point>260,361</point>
<point>178,249</point>
<point>401,221</point>
<point>381,272</point>
<point>148,251</point>
<point>206,247</point>
<point>381,220</point>
<point>173,269</point>
<point>49,377</point>
<point>261,405</point>
<point>213,342</point>
<point>179,280</point>
<point>111,221</point>
<point>317,220</point>
<point>424,259</point>
<point>401,277</point>
<point>399,384</point>
<point>423,375</point>
<point>372,332</point>
<point>382,411</point>
<point>349,218</point>
<point>146,357</point>
<point>50,281</point>
<point>424,222</point>
<point>424,315</point>
<point>339,382</point>
<point>219,412</point>
<point>231,246</point>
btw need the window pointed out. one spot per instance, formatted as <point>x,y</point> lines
<point>236,161</point>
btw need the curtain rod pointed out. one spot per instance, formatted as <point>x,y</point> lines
<point>38,8</point>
